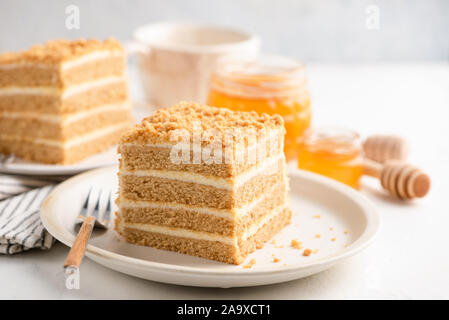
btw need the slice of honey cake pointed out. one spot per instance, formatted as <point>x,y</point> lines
<point>63,101</point>
<point>203,181</point>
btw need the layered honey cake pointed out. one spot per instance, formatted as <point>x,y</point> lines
<point>63,101</point>
<point>203,181</point>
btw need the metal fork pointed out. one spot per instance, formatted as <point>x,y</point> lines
<point>88,223</point>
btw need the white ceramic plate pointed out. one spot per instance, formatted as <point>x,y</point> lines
<point>345,221</point>
<point>19,166</point>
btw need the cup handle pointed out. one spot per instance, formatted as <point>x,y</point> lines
<point>134,47</point>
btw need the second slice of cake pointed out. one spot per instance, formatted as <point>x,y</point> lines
<point>203,181</point>
<point>63,101</point>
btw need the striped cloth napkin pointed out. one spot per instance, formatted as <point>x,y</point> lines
<point>21,198</point>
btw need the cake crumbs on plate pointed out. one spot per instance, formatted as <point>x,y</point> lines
<point>273,241</point>
<point>317,216</point>
<point>279,247</point>
<point>318,235</point>
<point>316,251</point>
<point>307,252</point>
<point>296,244</point>
<point>331,228</point>
<point>250,264</point>
<point>346,231</point>
<point>333,239</point>
<point>276,259</point>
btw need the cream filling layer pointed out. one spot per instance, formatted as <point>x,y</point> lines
<point>66,119</point>
<point>232,214</point>
<point>97,55</point>
<point>200,235</point>
<point>269,165</point>
<point>63,93</point>
<point>72,142</point>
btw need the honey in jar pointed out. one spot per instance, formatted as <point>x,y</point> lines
<point>332,152</point>
<point>267,84</point>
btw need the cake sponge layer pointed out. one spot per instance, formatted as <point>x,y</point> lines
<point>213,250</point>
<point>141,157</point>
<point>150,188</point>
<point>37,126</point>
<point>193,218</point>
<point>97,96</point>
<point>29,75</point>
<point>35,151</point>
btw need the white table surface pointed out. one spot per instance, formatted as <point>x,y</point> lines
<point>410,257</point>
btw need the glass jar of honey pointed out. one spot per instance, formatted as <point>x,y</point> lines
<point>332,152</point>
<point>267,84</point>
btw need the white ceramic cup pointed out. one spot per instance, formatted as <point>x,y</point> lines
<point>175,60</point>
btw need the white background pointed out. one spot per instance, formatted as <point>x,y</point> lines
<point>311,30</point>
<point>391,80</point>
<point>410,256</point>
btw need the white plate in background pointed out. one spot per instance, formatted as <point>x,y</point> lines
<point>345,221</point>
<point>19,166</point>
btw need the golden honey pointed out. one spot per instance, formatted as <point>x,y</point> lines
<point>332,152</point>
<point>266,85</point>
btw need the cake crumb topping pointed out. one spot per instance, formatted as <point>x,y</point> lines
<point>296,244</point>
<point>191,117</point>
<point>307,252</point>
<point>250,264</point>
<point>57,51</point>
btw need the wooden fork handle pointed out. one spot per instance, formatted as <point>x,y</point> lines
<point>79,246</point>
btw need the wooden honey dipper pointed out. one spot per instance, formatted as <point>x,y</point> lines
<point>383,159</point>
<point>381,148</point>
<point>399,178</point>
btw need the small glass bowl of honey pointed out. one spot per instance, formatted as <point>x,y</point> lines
<point>266,84</point>
<point>332,152</point>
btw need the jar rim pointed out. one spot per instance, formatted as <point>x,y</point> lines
<point>261,65</point>
<point>343,140</point>
<point>264,75</point>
